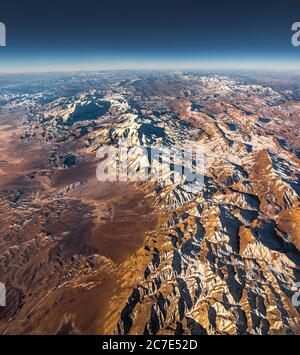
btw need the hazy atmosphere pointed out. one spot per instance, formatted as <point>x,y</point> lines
<point>65,35</point>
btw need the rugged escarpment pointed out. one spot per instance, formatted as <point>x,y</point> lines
<point>154,257</point>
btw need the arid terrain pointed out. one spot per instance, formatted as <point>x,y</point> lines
<point>81,256</point>
<point>71,239</point>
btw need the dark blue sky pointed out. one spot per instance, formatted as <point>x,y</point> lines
<point>86,34</point>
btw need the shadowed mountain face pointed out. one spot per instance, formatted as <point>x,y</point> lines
<point>80,256</point>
